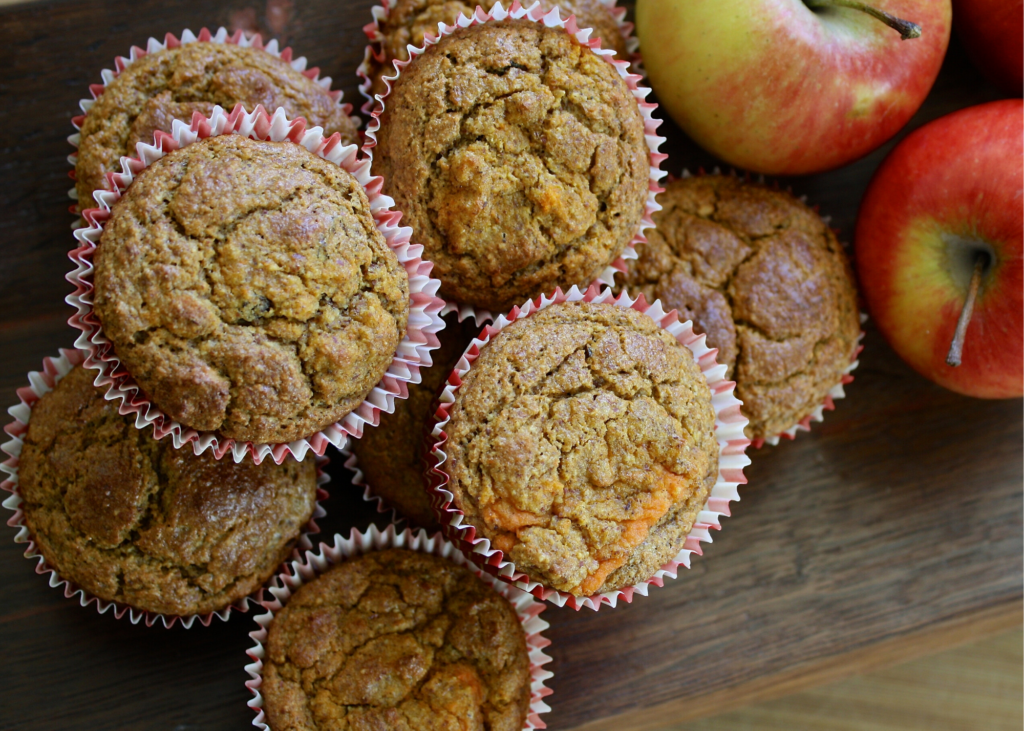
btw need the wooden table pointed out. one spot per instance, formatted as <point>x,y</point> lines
<point>894,528</point>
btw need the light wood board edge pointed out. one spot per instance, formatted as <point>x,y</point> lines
<point>884,653</point>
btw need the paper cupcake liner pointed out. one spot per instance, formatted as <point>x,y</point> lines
<point>424,309</point>
<point>359,480</point>
<point>729,425</point>
<point>41,383</point>
<point>375,55</point>
<point>836,392</point>
<point>238,38</point>
<point>373,539</point>
<point>582,36</point>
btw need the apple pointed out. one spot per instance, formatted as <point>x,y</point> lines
<point>780,87</point>
<point>991,32</point>
<point>947,207</point>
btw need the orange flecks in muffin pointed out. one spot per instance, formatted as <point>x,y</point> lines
<point>582,445</point>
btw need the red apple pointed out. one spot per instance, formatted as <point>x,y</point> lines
<point>778,87</point>
<point>991,32</point>
<point>949,195</point>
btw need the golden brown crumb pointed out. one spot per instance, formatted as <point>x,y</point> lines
<point>766,280</point>
<point>581,443</point>
<point>134,520</point>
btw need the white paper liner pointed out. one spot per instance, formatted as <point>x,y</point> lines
<point>359,480</point>
<point>729,426</point>
<point>41,383</point>
<point>837,391</point>
<point>424,307</point>
<point>582,36</point>
<point>238,38</point>
<point>374,539</point>
<point>375,53</point>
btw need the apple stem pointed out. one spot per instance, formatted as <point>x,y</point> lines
<point>956,348</point>
<point>906,28</point>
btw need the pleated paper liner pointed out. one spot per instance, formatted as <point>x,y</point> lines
<point>582,36</point>
<point>373,539</point>
<point>359,480</point>
<point>171,41</point>
<point>41,383</point>
<point>729,425</point>
<point>413,351</point>
<point>375,55</point>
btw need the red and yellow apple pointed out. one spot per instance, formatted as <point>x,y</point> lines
<point>777,87</point>
<point>991,32</point>
<point>949,195</point>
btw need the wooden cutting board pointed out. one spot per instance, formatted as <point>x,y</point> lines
<point>893,529</point>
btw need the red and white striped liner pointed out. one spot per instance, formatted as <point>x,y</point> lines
<point>373,539</point>
<point>375,54</point>
<point>359,480</point>
<point>729,425</point>
<point>41,383</point>
<point>582,36</point>
<point>238,38</point>
<point>424,308</point>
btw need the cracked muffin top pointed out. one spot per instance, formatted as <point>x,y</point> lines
<point>409,21</point>
<point>247,290</point>
<point>518,157</point>
<point>391,454</point>
<point>766,280</point>
<point>581,443</point>
<point>133,520</point>
<point>396,640</point>
<point>172,84</point>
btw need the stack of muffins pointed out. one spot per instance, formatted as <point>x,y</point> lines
<point>245,292</point>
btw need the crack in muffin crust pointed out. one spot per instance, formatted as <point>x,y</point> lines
<point>133,520</point>
<point>581,444</point>
<point>246,288</point>
<point>172,84</point>
<point>396,640</point>
<point>766,280</point>
<point>519,159</point>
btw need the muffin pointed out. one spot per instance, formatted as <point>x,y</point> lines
<point>133,520</point>
<point>245,287</point>
<point>408,22</point>
<point>396,639</point>
<point>519,159</point>
<point>171,84</point>
<point>581,443</point>
<point>391,454</point>
<point>766,280</point>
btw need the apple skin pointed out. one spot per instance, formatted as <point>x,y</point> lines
<point>991,32</point>
<point>951,188</point>
<point>774,87</point>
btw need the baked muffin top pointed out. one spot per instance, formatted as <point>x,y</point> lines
<point>409,21</point>
<point>398,640</point>
<point>247,290</point>
<point>172,84</point>
<point>133,520</point>
<point>518,157</point>
<point>581,442</point>
<point>391,454</point>
<point>766,280</point>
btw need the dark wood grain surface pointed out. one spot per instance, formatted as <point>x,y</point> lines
<point>893,527</point>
